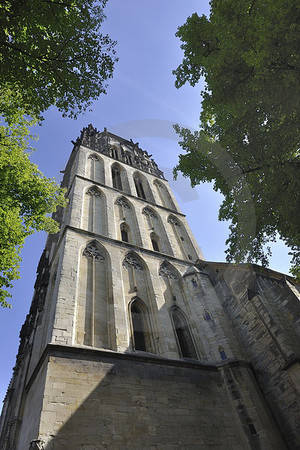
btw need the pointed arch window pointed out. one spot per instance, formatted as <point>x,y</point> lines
<point>184,338</point>
<point>139,188</point>
<point>92,219</point>
<point>207,315</point>
<point>222,353</point>
<point>114,153</point>
<point>194,282</point>
<point>92,295</point>
<point>128,158</point>
<point>124,232</point>
<point>140,334</point>
<point>116,178</point>
<point>251,426</point>
<point>154,240</point>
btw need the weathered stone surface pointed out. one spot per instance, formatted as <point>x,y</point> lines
<point>133,341</point>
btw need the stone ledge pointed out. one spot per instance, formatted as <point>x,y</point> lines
<point>99,354</point>
<point>126,194</point>
<point>138,249</point>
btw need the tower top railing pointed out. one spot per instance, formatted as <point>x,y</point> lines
<point>126,151</point>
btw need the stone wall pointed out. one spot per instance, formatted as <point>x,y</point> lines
<point>264,313</point>
<point>112,401</point>
<point>226,320</point>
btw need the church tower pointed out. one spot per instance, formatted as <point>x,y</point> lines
<point>133,340</point>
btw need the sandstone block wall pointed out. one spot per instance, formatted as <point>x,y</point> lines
<point>264,313</point>
<point>130,403</point>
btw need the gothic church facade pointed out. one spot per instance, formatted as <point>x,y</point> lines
<point>134,341</point>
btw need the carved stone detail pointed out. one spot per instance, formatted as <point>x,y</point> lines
<point>92,251</point>
<point>166,271</point>
<point>93,191</point>
<point>148,212</point>
<point>122,202</point>
<point>129,152</point>
<point>173,221</point>
<point>37,444</point>
<point>130,261</point>
<point>158,184</point>
<point>93,157</point>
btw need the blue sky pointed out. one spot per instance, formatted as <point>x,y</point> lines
<point>141,103</point>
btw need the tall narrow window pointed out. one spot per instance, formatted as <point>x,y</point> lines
<point>116,178</point>
<point>124,232</point>
<point>114,153</point>
<point>139,188</point>
<point>183,334</point>
<point>222,353</point>
<point>194,282</point>
<point>251,426</point>
<point>128,158</point>
<point>139,339</point>
<point>154,240</point>
<point>207,315</point>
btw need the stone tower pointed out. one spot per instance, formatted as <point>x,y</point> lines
<point>133,340</point>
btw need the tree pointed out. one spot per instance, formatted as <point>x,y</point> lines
<point>248,141</point>
<point>26,199</point>
<point>51,53</point>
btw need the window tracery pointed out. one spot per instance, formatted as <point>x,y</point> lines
<point>93,191</point>
<point>173,221</point>
<point>149,212</point>
<point>92,251</point>
<point>93,157</point>
<point>130,261</point>
<point>122,202</point>
<point>184,338</point>
<point>166,271</point>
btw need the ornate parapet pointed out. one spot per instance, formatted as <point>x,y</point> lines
<point>127,152</point>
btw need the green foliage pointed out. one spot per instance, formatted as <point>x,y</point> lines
<point>26,199</point>
<point>248,143</point>
<point>52,52</point>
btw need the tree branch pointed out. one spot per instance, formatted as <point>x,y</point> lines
<point>251,7</point>
<point>22,51</point>
<point>255,169</point>
<point>67,5</point>
<point>281,67</point>
<point>44,58</point>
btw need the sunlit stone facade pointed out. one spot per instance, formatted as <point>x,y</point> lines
<point>134,341</point>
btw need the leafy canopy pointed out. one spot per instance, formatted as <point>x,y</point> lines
<point>51,53</point>
<point>26,199</point>
<point>248,142</point>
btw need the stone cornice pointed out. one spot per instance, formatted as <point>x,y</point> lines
<point>125,194</point>
<point>259,270</point>
<point>100,142</point>
<point>93,354</point>
<point>129,246</point>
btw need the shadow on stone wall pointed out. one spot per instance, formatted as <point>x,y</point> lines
<point>127,402</point>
